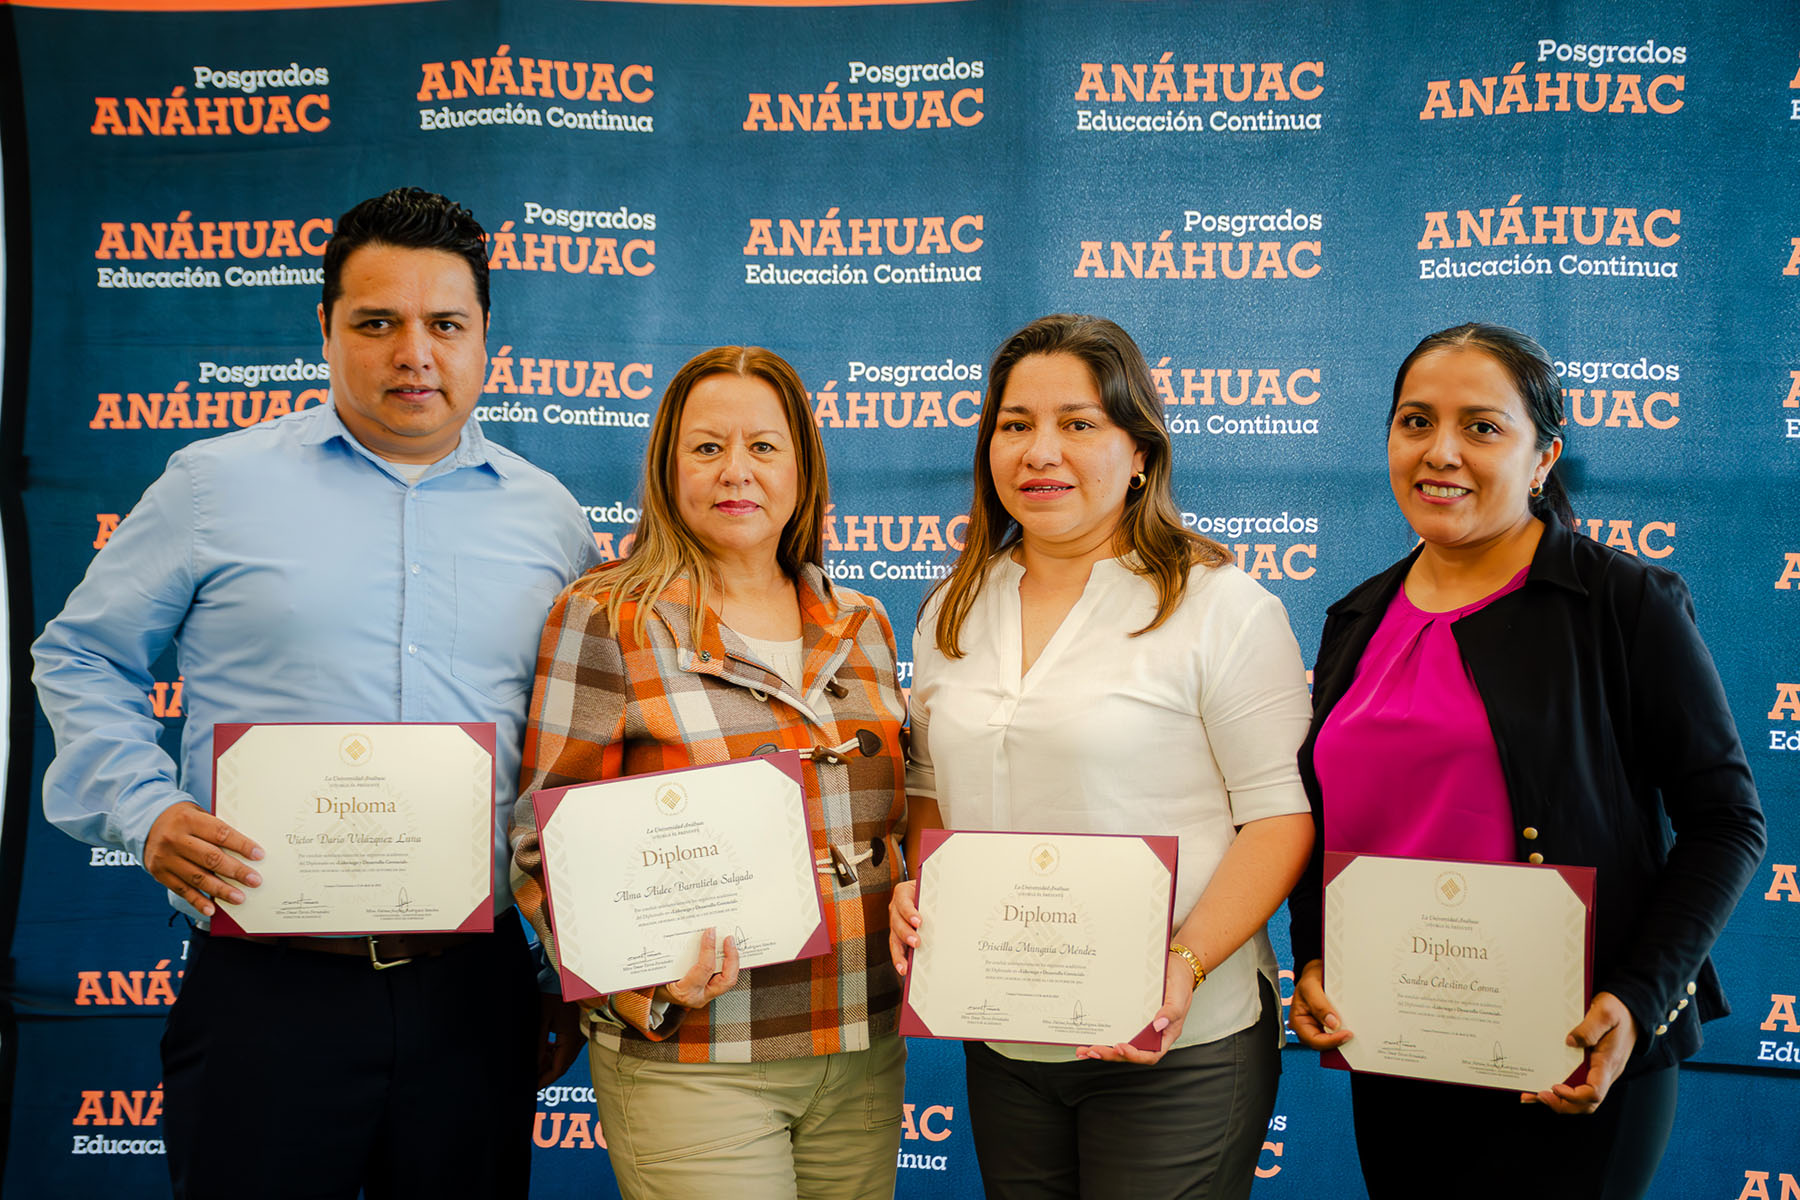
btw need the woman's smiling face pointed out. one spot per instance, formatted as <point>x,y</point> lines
<point>1462,453</point>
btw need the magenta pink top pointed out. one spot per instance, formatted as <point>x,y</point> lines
<point>1406,761</point>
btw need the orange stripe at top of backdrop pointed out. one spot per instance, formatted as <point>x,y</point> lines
<point>179,6</point>
<point>270,5</point>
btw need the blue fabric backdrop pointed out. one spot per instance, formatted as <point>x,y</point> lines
<point>1278,201</point>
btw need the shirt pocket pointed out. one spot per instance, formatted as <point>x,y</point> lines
<point>500,609</point>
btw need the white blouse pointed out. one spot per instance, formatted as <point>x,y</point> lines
<point>1190,729</point>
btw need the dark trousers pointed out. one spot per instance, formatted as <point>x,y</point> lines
<point>1408,1130</point>
<point>1192,1125</point>
<point>291,1073</point>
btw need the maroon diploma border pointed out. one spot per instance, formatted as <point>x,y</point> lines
<point>545,802</point>
<point>1580,880</point>
<point>480,918</point>
<point>1164,846</point>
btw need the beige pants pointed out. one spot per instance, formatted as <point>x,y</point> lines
<point>826,1127</point>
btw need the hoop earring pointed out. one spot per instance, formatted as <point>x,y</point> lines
<point>1139,480</point>
<point>1537,489</point>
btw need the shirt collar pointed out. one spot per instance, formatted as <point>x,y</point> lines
<point>1554,560</point>
<point>1007,569</point>
<point>472,447</point>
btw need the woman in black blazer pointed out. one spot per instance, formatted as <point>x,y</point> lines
<point>1607,717</point>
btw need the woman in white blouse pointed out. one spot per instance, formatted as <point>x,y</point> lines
<point>1091,666</point>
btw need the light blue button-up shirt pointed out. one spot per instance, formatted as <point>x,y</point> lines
<point>301,578</point>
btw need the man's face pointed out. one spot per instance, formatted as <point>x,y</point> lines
<point>407,346</point>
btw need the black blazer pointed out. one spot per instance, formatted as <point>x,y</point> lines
<point>1614,733</point>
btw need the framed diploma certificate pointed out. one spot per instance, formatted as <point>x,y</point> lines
<point>637,869</point>
<point>1462,972</point>
<point>367,828</point>
<point>1041,937</point>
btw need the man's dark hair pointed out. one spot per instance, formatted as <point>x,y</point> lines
<point>413,219</point>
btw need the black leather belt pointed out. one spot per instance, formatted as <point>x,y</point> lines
<point>383,950</point>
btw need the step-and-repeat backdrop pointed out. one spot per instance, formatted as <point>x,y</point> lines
<point>1277,200</point>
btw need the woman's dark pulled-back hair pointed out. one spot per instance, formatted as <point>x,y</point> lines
<point>412,219</point>
<point>1533,375</point>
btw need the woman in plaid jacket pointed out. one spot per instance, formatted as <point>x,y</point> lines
<point>720,638</point>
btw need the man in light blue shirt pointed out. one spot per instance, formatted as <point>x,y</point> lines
<point>373,559</point>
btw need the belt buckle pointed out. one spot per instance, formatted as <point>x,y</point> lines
<point>377,963</point>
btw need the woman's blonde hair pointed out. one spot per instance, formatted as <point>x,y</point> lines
<point>663,547</point>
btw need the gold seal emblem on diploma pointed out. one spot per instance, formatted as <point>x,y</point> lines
<point>1452,888</point>
<point>671,799</point>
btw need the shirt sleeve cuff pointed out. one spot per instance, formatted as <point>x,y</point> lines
<point>638,1010</point>
<point>131,824</point>
<point>1283,799</point>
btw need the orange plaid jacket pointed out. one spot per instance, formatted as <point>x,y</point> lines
<point>609,704</point>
